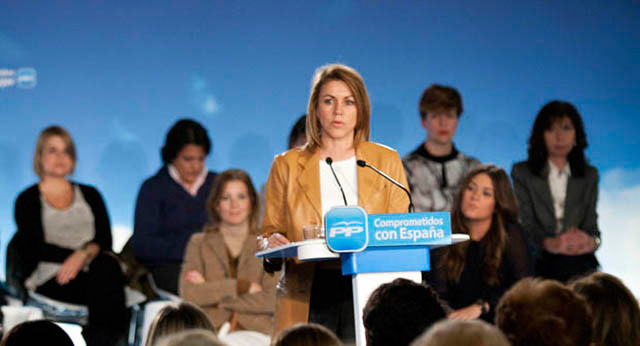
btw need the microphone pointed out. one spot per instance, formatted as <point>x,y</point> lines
<point>363,163</point>
<point>329,162</point>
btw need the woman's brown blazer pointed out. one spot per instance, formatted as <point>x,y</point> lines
<point>207,253</point>
<point>293,200</point>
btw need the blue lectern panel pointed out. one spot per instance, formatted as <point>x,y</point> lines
<point>382,260</point>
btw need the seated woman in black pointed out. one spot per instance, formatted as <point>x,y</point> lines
<point>63,232</point>
<point>472,276</point>
<point>557,192</point>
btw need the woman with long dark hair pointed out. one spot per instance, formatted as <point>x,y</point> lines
<point>472,276</point>
<point>557,191</point>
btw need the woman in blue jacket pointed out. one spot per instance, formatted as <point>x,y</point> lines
<point>171,204</point>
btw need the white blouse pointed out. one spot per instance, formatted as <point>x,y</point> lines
<point>558,179</point>
<point>330,194</point>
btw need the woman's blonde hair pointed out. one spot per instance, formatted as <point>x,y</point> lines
<point>51,131</point>
<point>175,318</point>
<point>216,195</point>
<point>353,80</point>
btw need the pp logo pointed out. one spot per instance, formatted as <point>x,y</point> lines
<point>347,229</point>
<point>26,78</point>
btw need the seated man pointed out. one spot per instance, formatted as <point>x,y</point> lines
<point>399,311</point>
<point>436,167</point>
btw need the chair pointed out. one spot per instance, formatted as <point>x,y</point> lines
<point>139,278</point>
<point>19,267</point>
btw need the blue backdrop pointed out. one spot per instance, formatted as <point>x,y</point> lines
<point>117,75</point>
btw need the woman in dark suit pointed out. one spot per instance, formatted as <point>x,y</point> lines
<point>301,189</point>
<point>558,190</point>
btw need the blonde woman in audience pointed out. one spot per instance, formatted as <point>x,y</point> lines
<point>177,318</point>
<point>462,333</point>
<point>307,334</point>
<point>192,337</point>
<point>616,316</point>
<point>221,273</point>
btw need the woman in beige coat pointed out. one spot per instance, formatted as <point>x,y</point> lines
<point>221,273</point>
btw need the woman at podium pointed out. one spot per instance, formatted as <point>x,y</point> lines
<point>304,183</point>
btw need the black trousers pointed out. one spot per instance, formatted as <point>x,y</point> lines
<point>102,290</point>
<point>331,303</point>
<point>166,275</point>
<point>564,268</point>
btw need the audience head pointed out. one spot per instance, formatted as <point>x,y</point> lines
<point>298,134</point>
<point>355,83</point>
<point>399,311</point>
<point>462,333</point>
<point>233,185</point>
<point>40,332</point>
<point>306,334</point>
<point>615,312</point>
<point>485,194</point>
<point>55,152</point>
<point>192,337</point>
<point>440,108</point>
<point>544,312</point>
<point>558,131</point>
<point>176,318</point>
<point>186,146</point>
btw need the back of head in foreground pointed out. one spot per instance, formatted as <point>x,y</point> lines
<point>462,333</point>
<point>306,334</point>
<point>544,312</point>
<point>40,332</point>
<point>173,319</point>
<point>399,311</point>
<point>616,315</point>
<point>191,337</point>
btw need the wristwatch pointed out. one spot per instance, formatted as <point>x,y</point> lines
<point>483,306</point>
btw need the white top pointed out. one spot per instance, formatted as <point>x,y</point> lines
<point>330,194</point>
<point>69,228</point>
<point>193,190</point>
<point>558,179</point>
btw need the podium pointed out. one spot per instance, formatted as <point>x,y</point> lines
<point>374,249</point>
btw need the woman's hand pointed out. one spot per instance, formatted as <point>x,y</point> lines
<point>471,312</point>
<point>276,240</point>
<point>194,277</point>
<point>579,242</point>
<point>255,288</point>
<point>574,242</point>
<point>71,266</point>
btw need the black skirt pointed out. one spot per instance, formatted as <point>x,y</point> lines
<point>565,268</point>
<point>331,303</point>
